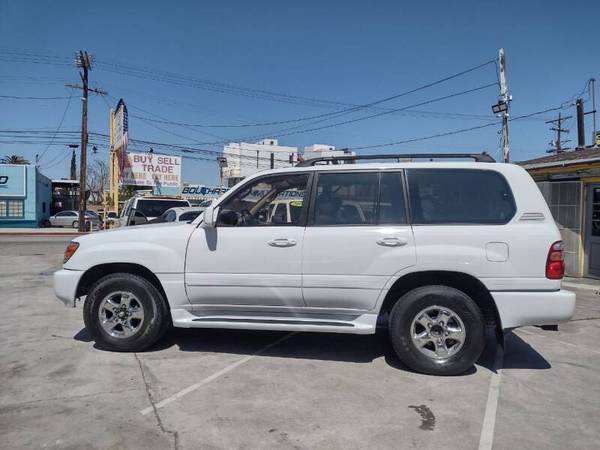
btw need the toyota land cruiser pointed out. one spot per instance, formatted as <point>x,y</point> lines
<point>436,251</point>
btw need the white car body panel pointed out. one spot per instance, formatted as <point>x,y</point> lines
<point>231,272</point>
<point>222,266</point>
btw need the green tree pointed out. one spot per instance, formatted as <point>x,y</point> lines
<point>13,159</point>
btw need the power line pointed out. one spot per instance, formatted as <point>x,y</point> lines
<point>57,129</point>
<point>340,112</point>
<point>452,132</point>
<point>14,97</point>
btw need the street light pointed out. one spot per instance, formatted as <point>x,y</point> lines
<point>500,107</point>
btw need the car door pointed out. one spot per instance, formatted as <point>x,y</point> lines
<point>247,259</point>
<point>65,218</point>
<point>357,238</point>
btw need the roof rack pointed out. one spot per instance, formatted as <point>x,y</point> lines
<point>478,157</point>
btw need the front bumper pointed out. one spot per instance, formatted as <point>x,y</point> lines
<point>65,285</point>
<point>518,309</point>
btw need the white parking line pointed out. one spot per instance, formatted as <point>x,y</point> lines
<point>486,439</point>
<point>212,377</point>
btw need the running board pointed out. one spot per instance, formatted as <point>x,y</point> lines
<point>362,324</point>
<point>283,321</point>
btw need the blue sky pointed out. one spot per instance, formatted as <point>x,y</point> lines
<point>348,52</point>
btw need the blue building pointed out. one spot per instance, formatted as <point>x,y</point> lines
<point>25,196</point>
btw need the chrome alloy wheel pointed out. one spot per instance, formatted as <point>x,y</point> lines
<point>438,332</point>
<point>121,314</point>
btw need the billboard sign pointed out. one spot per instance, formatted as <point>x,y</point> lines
<point>121,126</point>
<point>151,169</point>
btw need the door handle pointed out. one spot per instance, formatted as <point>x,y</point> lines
<point>282,242</point>
<point>392,242</point>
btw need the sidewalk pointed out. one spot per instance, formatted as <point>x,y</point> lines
<point>39,232</point>
<point>581,283</point>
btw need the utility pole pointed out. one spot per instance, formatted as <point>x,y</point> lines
<point>593,95</point>
<point>84,62</point>
<point>504,99</point>
<point>580,124</point>
<point>557,144</point>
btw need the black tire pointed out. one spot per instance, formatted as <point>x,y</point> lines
<point>75,224</point>
<point>408,307</point>
<point>156,322</point>
<point>46,223</point>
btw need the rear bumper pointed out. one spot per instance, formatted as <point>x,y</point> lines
<point>65,285</point>
<point>517,309</point>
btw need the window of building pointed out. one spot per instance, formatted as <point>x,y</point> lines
<point>12,209</point>
<point>459,196</point>
<point>346,198</point>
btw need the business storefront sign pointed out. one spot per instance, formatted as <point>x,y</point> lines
<point>13,181</point>
<point>202,192</point>
<point>150,169</point>
<point>121,129</point>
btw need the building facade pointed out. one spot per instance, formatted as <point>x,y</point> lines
<point>570,183</point>
<point>324,150</point>
<point>25,196</point>
<point>242,159</point>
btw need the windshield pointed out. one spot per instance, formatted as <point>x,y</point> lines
<point>154,208</point>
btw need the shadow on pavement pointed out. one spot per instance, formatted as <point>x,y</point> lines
<point>327,347</point>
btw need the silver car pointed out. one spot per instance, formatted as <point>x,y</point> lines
<point>70,219</point>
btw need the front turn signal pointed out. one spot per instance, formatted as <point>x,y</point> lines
<point>70,251</point>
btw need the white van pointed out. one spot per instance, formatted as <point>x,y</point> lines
<point>141,209</point>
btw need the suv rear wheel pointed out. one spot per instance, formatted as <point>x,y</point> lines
<point>125,312</point>
<point>437,330</point>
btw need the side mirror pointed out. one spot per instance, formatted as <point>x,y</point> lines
<point>209,217</point>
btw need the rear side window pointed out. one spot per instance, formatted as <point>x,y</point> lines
<point>392,209</point>
<point>346,198</point>
<point>459,196</point>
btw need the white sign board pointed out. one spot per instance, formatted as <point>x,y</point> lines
<point>150,169</point>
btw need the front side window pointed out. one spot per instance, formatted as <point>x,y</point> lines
<point>346,198</point>
<point>264,202</point>
<point>459,196</point>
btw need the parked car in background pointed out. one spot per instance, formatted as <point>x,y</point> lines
<point>438,251</point>
<point>70,219</point>
<point>182,214</point>
<point>142,209</point>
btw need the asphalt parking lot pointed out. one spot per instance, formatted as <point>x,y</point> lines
<point>242,389</point>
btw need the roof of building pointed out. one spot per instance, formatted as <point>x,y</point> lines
<point>563,159</point>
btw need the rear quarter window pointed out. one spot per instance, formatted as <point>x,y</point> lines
<point>459,196</point>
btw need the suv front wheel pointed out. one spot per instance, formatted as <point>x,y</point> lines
<point>437,330</point>
<point>125,312</point>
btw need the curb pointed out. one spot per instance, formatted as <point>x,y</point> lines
<point>42,234</point>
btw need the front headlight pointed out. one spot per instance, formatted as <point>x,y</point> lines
<point>70,251</point>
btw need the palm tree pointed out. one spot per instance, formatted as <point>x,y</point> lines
<point>13,159</point>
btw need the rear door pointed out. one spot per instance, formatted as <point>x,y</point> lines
<point>357,237</point>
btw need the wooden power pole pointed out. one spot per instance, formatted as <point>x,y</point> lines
<point>84,62</point>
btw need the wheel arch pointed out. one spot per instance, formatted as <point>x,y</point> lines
<point>466,283</point>
<point>99,271</point>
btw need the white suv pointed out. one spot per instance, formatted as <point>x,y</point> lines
<point>434,250</point>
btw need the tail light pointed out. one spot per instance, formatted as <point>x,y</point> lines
<point>555,263</point>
